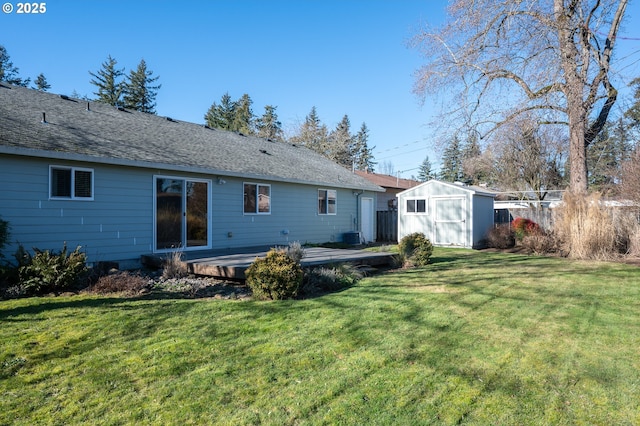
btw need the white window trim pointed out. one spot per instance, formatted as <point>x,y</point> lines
<point>258,185</point>
<point>327,201</point>
<point>73,181</point>
<point>426,206</point>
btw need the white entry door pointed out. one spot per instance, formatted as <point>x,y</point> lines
<point>366,219</point>
<point>450,221</point>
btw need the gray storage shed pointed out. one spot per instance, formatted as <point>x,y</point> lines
<point>449,214</point>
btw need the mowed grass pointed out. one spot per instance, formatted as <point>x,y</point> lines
<point>474,338</point>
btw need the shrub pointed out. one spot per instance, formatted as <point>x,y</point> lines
<point>540,243</point>
<point>321,279</point>
<point>501,237</point>
<point>523,227</point>
<point>274,277</point>
<point>5,269</point>
<point>295,251</point>
<point>415,249</point>
<point>121,282</point>
<point>4,235</point>
<point>49,271</point>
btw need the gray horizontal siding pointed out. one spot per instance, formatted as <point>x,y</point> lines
<point>118,224</point>
<point>293,208</point>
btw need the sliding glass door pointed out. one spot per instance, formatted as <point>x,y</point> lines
<point>182,213</point>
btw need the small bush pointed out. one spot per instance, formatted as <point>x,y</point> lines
<point>295,251</point>
<point>274,277</point>
<point>540,243</point>
<point>121,282</point>
<point>322,279</point>
<point>174,267</point>
<point>4,235</point>
<point>523,227</point>
<point>5,269</point>
<point>47,271</point>
<point>501,237</point>
<point>415,249</point>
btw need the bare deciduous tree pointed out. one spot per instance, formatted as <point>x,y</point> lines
<point>528,158</point>
<point>511,57</point>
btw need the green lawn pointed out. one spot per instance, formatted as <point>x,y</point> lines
<point>474,338</point>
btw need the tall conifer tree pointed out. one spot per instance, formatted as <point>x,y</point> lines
<point>341,143</point>
<point>268,125</point>
<point>363,155</point>
<point>41,83</point>
<point>424,171</point>
<point>452,162</point>
<point>221,116</point>
<point>106,79</point>
<point>243,117</point>
<point>139,89</point>
<point>8,72</point>
<point>312,133</point>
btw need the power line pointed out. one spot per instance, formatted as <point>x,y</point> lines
<point>400,147</point>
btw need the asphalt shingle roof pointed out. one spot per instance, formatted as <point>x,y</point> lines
<point>105,134</point>
<point>387,181</point>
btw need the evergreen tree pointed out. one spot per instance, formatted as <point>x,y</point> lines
<point>424,171</point>
<point>341,144</point>
<point>471,155</point>
<point>268,125</point>
<point>452,162</point>
<point>606,154</point>
<point>221,116</point>
<point>243,117</point>
<point>139,89</point>
<point>363,156</point>
<point>633,113</point>
<point>313,133</point>
<point>41,83</point>
<point>8,72</point>
<point>106,80</point>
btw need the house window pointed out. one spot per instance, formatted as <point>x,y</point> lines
<point>327,201</point>
<point>70,183</point>
<point>417,206</point>
<point>257,198</point>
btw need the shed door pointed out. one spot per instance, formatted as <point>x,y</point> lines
<point>450,223</point>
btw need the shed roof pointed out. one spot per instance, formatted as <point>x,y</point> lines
<point>387,181</point>
<point>475,190</point>
<point>74,129</point>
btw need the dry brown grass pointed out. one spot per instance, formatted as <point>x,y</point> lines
<point>174,267</point>
<point>121,282</point>
<point>588,229</point>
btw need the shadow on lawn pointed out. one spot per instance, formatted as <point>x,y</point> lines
<point>94,302</point>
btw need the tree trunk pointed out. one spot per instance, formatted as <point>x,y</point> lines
<point>577,148</point>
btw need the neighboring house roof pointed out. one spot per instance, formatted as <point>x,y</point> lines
<point>476,190</point>
<point>105,134</point>
<point>387,181</point>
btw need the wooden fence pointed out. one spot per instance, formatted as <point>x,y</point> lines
<point>387,226</point>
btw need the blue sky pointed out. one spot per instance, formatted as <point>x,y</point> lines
<point>343,57</point>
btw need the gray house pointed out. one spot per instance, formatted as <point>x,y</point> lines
<point>122,183</point>
<point>449,214</point>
